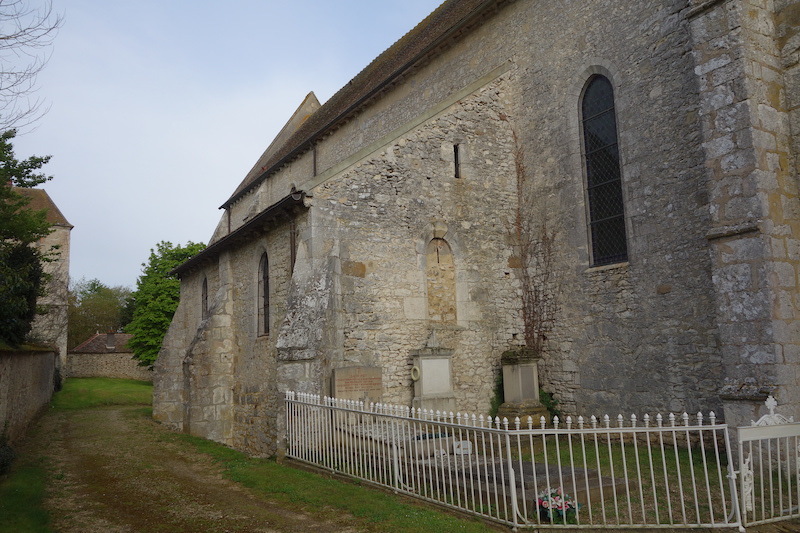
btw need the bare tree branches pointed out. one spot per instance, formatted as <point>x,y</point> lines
<point>26,33</point>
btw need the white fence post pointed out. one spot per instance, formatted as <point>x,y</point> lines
<point>769,468</point>
<point>511,477</point>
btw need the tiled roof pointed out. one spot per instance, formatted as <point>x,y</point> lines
<point>41,200</point>
<point>401,56</point>
<point>105,343</point>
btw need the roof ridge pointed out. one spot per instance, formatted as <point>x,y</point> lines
<point>39,200</point>
<point>84,343</point>
<point>120,345</point>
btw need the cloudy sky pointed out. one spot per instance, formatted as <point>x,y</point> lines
<point>158,108</point>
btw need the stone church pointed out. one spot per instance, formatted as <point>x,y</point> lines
<point>614,182</point>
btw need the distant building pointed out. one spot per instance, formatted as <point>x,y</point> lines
<point>106,355</point>
<point>658,140</point>
<point>51,328</point>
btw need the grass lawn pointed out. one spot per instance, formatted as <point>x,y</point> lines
<point>22,495</point>
<point>85,393</point>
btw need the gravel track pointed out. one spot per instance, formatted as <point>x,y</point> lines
<point>114,470</point>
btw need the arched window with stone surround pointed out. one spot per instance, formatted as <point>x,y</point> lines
<point>263,295</point>
<point>603,173</point>
<point>441,279</point>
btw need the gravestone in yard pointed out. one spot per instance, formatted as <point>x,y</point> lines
<point>521,386</point>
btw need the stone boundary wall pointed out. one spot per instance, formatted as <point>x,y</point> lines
<point>106,365</point>
<point>26,388</point>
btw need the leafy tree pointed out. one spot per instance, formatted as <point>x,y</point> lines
<point>20,285</point>
<point>18,224</point>
<point>21,272</point>
<point>95,307</point>
<point>156,299</point>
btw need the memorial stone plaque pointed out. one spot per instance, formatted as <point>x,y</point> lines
<point>521,382</point>
<point>362,383</point>
<point>432,376</point>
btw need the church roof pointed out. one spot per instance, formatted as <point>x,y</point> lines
<point>424,39</point>
<point>105,343</point>
<point>40,200</point>
<point>309,106</point>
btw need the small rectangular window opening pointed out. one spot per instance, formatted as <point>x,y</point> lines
<point>292,245</point>
<point>457,160</point>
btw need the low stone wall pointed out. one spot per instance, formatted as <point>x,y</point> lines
<point>106,365</point>
<point>26,388</point>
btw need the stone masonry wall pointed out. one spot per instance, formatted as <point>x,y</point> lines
<point>753,188</point>
<point>169,395</point>
<point>213,376</point>
<point>50,328</point>
<point>26,387</point>
<point>382,282</point>
<point>193,378</point>
<point>652,317</point>
<point>640,335</point>
<point>786,243</point>
<point>106,365</point>
<point>208,366</point>
<point>256,399</point>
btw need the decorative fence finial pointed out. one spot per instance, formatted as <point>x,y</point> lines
<point>772,419</point>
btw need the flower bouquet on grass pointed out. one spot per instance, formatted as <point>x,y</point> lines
<point>557,507</point>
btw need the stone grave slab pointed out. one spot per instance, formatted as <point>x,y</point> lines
<point>361,383</point>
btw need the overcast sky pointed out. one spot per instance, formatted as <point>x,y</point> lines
<point>158,108</point>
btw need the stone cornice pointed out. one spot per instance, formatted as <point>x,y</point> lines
<point>282,210</point>
<point>733,230</point>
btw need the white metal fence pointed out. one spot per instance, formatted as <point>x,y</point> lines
<point>769,473</point>
<point>673,472</point>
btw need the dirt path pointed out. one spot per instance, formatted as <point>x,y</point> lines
<point>115,470</point>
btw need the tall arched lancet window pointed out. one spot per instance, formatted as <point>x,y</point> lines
<point>603,174</point>
<point>263,295</point>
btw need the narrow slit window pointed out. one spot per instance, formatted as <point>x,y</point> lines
<point>204,297</point>
<point>292,245</point>
<point>457,160</point>
<point>603,175</point>
<point>263,295</point>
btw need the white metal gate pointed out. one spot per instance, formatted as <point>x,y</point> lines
<point>769,468</point>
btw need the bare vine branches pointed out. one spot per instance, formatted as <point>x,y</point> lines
<point>535,236</point>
